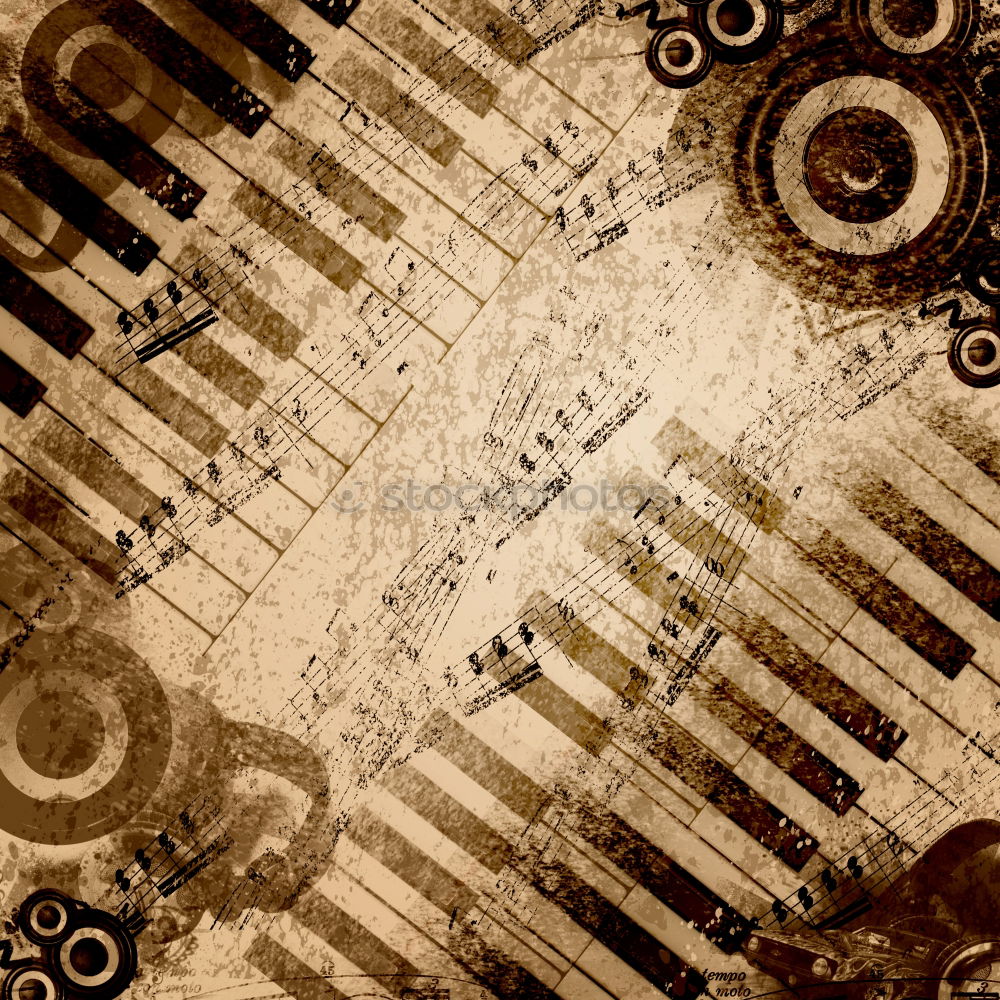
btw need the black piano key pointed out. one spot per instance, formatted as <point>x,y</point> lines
<point>53,517</point>
<point>354,941</point>
<point>598,656</point>
<point>441,65</point>
<point>388,846</point>
<point>449,816</point>
<point>838,701</point>
<point>342,186</point>
<point>19,389</point>
<point>780,744</point>
<point>483,764</point>
<point>288,973</point>
<point>888,604</point>
<point>261,34</point>
<point>712,779</point>
<point>305,240</point>
<point>623,845</point>
<point>931,543</point>
<point>971,438</point>
<point>42,312</point>
<point>335,12</point>
<point>617,932</point>
<point>942,648</point>
<point>72,106</point>
<point>115,235</point>
<point>408,117</point>
<point>492,26</point>
<point>176,56</point>
<point>711,467</point>
<point>95,468</point>
<point>494,970</point>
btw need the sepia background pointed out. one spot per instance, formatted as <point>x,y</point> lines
<point>499,501</point>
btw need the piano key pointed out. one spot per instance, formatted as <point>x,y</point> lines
<point>576,986</point>
<point>291,229</point>
<point>184,62</point>
<point>78,106</point>
<point>449,816</point>
<point>260,320</point>
<point>971,575</point>
<point>970,438</point>
<point>320,114</point>
<point>447,240</point>
<point>19,389</point>
<point>351,75</point>
<point>273,961</point>
<point>442,304</point>
<point>791,664</point>
<point>341,185</point>
<point>341,931</point>
<point>713,780</point>
<point>246,22</point>
<point>184,583</point>
<point>79,206</point>
<point>539,925</point>
<point>493,956</point>
<point>426,55</point>
<point>335,12</point>
<point>223,370</point>
<point>394,851</point>
<point>612,928</point>
<point>959,500</point>
<point>829,783</point>
<point>658,873</point>
<point>492,26</point>
<point>43,313</point>
<point>379,919</point>
<point>701,459</point>
<point>41,506</point>
<point>67,446</point>
<point>234,548</point>
<point>169,638</point>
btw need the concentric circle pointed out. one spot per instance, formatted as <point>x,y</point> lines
<point>31,982</point>
<point>677,56</point>
<point>872,182</point>
<point>739,31</point>
<point>46,916</point>
<point>974,355</point>
<point>99,957</point>
<point>859,164</point>
<point>857,180</point>
<point>967,965</point>
<point>917,29</point>
<point>66,778</point>
<point>981,275</point>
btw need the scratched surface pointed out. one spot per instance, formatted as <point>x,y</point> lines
<point>499,500</point>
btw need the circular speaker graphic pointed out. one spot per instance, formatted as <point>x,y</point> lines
<point>677,55</point>
<point>915,28</point>
<point>98,958</point>
<point>85,737</point>
<point>856,180</point>
<point>31,982</point>
<point>981,275</point>
<point>739,31</point>
<point>46,916</point>
<point>968,964</point>
<point>974,355</point>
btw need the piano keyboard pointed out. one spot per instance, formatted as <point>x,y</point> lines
<point>333,170</point>
<point>823,744</point>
